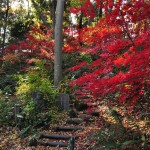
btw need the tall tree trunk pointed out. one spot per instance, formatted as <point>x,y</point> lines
<point>53,13</point>
<point>80,26</point>
<point>28,8</point>
<point>100,12</point>
<point>58,43</point>
<point>80,20</point>
<point>5,27</point>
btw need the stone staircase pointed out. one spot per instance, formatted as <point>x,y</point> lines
<point>60,136</point>
<point>63,136</point>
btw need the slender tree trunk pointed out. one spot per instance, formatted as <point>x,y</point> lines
<point>5,28</point>
<point>80,20</point>
<point>58,43</point>
<point>80,26</point>
<point>28,8</point>
<point>100,12</point>
<point>53,13</point>
<point>53,4</point>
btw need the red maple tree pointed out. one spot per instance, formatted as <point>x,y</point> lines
<point>38,43</point>
<point>120,41</point>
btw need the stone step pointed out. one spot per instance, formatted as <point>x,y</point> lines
<point>72,113</point>
<point>94,113</point>
<point>66,129</point>
<point>53,144</point>
<point>55,136</point>
<point>86,118</point>
<point>75,121</point>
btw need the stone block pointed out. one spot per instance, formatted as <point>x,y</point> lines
<point>63,101</point>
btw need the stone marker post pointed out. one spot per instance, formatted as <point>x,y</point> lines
<point>17,112</point>
<point>63,101</point>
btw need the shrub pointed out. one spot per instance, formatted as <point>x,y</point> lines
<point>36,94</point>
<point>35,80</point>
<point>8,83</point>
<point>6,110</point>
<point>114,137</point>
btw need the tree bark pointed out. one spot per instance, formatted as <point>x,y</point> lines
<point>58,43</point>
<point>80,20</point>
<point>100,12</point>
<point>5,27</point>
<point>80,26</point>
<point>53,9</point>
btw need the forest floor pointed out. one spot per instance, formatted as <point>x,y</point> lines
<point>135,124</point>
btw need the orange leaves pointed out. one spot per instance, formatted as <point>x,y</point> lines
<point>12,58</point>
<point>47,54</point>
<point>119,62</point>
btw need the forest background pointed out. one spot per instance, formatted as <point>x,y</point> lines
<point>103,62</point>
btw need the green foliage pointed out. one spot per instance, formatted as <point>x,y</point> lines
<point>6,113</point>
<point>24,132</point>
<point>12,63</point>
<point>86,57</point>
<point>29,109</point>
<point>36,80</point>
<point>64,86</point>
<point>8,83</point>
<point>77,3</point>
<point>69,59</point>
<point>20,28</point>
<point>55,115</point>
<point>36,94</point>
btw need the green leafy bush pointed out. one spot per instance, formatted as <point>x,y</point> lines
<point>36,94</point>
<point>8,83</point>
<point>6,110</point>
<point>12,64</point>
<point>36,79</point>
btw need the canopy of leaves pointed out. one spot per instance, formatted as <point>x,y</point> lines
<point>121,45</point>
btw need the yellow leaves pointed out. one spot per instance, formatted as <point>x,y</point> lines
<point>127,86</point>
<point>23,88</point>
<point>77,3</point>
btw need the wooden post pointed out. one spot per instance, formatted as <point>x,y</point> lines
<point>72,143</point>
<point>17,111</point>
